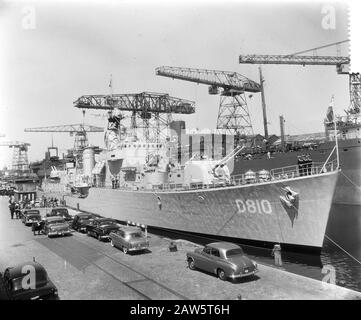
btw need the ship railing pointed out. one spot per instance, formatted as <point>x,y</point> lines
<point>287,172</point>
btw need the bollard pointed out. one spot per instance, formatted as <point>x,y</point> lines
<point>173,247</point>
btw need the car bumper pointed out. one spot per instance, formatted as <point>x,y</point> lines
<point>242,275</point>
<point>138,248</point>
<point>59,233</point>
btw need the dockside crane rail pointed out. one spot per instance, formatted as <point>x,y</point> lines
<point>233,114</point>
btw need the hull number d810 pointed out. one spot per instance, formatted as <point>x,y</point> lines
<point>254,206</point>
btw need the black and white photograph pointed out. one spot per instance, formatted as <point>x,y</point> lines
<point>193,153</point>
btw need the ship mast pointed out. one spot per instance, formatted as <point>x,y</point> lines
<point>282,126</point>
<point>261,80</point>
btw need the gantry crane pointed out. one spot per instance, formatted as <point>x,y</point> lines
<point>81,139</point>
<point>149,111</point>
<point>341,63</point>
<point>296,59</point>
<point>80,131</point>
<point>20,154</point>
<point>233,114</point>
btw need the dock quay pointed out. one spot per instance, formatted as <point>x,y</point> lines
<point>84,268</point>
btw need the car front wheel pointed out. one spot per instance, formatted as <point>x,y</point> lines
<point>191,264</point>
<point>221,274</point>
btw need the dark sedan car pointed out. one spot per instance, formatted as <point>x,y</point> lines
<point>56,226</point>
<point>81,220</point>
<point>101,228</point>
<point>61,212</point>
<point>16,283</point>
<point>226,260</point>
<point>27,212</point>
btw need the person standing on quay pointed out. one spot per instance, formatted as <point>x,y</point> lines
<point>276,253</point>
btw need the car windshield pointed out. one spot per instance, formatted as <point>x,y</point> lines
<point>32,212</point>
<point>136,235</point>
<point>108,222</point>
<point>234,252</point>
<point>33,215</point>
<point>61,212</point>
<point>56,222</point>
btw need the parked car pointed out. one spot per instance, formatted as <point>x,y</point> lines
<point>226,260</point>
<point>56,226</point>
<point>81,220</point>
<point>25,212</point>
<point>12,288</point>
<point>101,228</point>
<point>129,239</point>
<point>60,212</point>
<point>31,217</point>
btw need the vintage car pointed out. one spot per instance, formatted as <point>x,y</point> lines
<point>60,212</point>
<point>56,226</point>
<point>12,283</point>
<point>226,260</point>
<point>31,217</point>
<point>101,228</point>
<point>26,212</point>
<point>129,239</point>
<point>81,220</point>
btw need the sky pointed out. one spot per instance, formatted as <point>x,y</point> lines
<point>73,47</point>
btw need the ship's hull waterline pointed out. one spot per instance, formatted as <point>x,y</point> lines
<point>250,212</point>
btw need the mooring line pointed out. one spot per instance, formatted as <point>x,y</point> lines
<point>349,254</point>
<point>354,184</point>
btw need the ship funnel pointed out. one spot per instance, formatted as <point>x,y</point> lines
<point>88,161</point>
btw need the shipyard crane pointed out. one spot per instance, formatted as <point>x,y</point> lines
<point>80,131</point>
<point>341,63</point>
<point>296,59</point>
<point>20,154</point>
<point>233,114</point>
<point>149,111</point>
<point>80,141</point>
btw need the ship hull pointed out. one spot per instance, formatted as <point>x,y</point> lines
<point>251,212</point>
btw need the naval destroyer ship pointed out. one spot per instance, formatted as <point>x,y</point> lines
<point>135,180</point>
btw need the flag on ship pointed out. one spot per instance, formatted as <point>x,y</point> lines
<point>329,114</point>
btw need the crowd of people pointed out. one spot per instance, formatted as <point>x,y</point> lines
<point>15,207</point>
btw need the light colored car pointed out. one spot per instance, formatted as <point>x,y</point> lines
<point>56,226</point>
<point>129,239</point>
<point>225,259</point>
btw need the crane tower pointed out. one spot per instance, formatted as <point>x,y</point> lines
<point>20,155</point>
<point>233,113</point>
